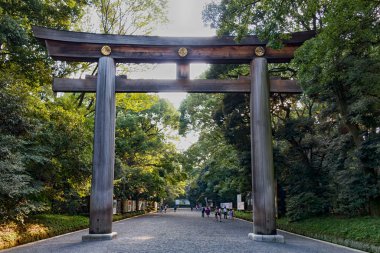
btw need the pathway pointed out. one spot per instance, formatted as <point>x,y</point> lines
<point>179,232</point>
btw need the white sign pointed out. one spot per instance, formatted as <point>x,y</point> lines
<point>238,198</point>
<point>227,205</point>
<point>114,206</point>
<point>240,206</point>
<point>182,202</point>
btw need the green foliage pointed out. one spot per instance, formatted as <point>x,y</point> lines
<point>268,19</point>
<point>44,226</point>
<point>360,232</point>
<point>26,105</point>
<point>117,217</point>
<point>46,140</point>
<point>146,165</point>
<point>197,112</point>
<point>245,215</point>
<point>326,143</point>
<point>305,204</point>
<point>338,230</point>
<point>17,188</point>
<point>212,163</point>
<point>39,227</point>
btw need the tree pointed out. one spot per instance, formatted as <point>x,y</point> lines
<point>212,163</point>
<point>24,71</point>
<point>128,17</point>
<point>147,167</point>
<point>49,163</point>
<point>338,70</point>
<point>18,189</point>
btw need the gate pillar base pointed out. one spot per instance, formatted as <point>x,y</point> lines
<point>99,237</point>
<point>266,238</point>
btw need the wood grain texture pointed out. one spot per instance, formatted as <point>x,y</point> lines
<point>101,199</point>
<point>82,52</point>
<point>191,86</point>
<point>43,33</point>
<point>74,46</point>
<point>264,221</point>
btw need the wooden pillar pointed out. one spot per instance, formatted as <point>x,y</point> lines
<point>264,222</point>
<point>183,71</point>
<point>104,153</point>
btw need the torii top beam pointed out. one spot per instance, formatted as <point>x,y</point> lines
<point>86,47</point>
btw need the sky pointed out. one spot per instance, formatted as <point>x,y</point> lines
<point>185,20</point>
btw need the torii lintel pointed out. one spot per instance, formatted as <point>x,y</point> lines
<point>87,47</point>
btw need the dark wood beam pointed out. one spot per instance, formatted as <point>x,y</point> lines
<point>192,86</point>
<point>43,33</point>
<point>76,46</point>
<point>137,54</point>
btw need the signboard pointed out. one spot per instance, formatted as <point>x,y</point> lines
<point>182,202</point>
<point>227,205</point>
<point>133,205</point>
<point>129,205</point>
<point>114,206</point>
<point>240,205</point>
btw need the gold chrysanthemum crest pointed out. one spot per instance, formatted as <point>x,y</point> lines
<point>106,50</point>
<point>182,52</point>
<point>259,51</point>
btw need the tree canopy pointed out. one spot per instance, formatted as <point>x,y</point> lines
<point>325,140</point>
<point>46,139</point>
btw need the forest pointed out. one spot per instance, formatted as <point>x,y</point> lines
<point>326,141</point>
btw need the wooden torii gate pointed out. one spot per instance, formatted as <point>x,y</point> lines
<point>110,49</point>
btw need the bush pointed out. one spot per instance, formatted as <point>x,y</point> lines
<point>305,205</point>
<point>44,226</point>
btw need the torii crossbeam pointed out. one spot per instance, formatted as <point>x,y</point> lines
<point>111,49</point>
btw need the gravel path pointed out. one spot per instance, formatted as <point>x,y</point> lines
<point>180,232</point>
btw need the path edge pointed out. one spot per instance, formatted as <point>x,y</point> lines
<point>69,233</point>
<point>342,243</point>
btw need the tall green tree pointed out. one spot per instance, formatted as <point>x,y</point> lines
<point>25,71</point>
<point>339,69</point>
<point>147,166</point>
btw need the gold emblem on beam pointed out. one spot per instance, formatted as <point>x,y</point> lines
<point>182,51</point>
<point>106,50</point>
<point>259,51</point>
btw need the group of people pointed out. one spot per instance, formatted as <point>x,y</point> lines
<point>163,208</point>
<point>227,213</point>
<point>206,211</point>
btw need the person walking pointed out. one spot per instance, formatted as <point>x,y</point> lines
<point>219,214</point>
<point>208,212</point>
<point>203,212</point>
<point>225,212</point>
<point>231,213</point>
<point>216,213</point>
